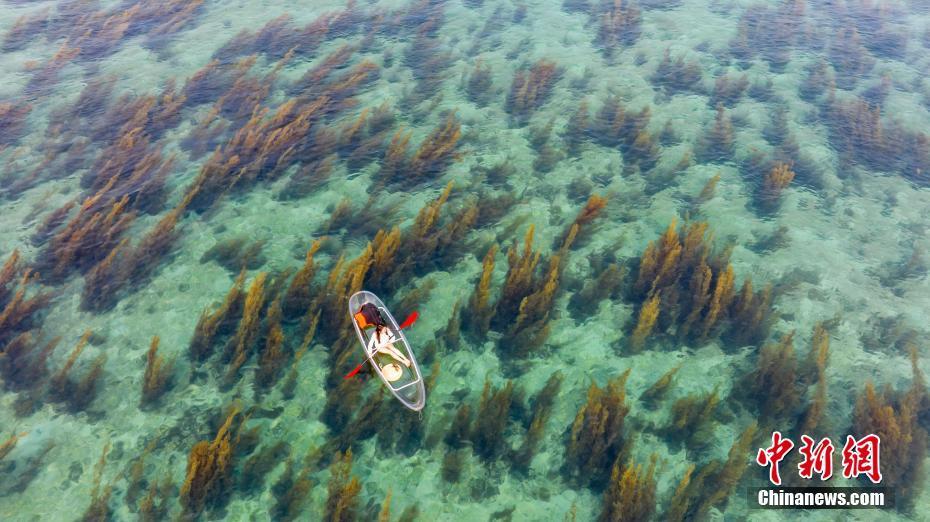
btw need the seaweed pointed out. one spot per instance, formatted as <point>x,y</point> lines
<point>772,386</point>
<point>691,420</point>
<point>728,91</point>
<point>693,287</point>
<point>717,144</point>
<point>677,76</point>
<point>235,254</point>
<point>657,391</point>
<point>597,438</point>
<point>460,428</point>
<point>619,25</point>
<point>99,508</point>
<point>531,88</point>
<point>631,494</point>
<point>158,374</point>
<point>209,473</point>
<point>452,464</point>
<point>211,323</point>
<point>242,343</point>
<point>604,284</point>
<point>539,417</point>
<point>77,394</point>
<point>769,194</point>
<point>479,85</point>
<point>893,417</point>
<point>342,491</point>
<point>291,491</point>
<point>273,357</point>
<point>817,361</point>
<point>490,419</point>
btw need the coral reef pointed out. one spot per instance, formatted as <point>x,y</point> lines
<point>597,437</point>
<point>531,88</point>
<point>157,378</point>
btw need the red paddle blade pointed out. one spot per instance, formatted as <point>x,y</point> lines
<point>412,318</point>
<point>353,372</point>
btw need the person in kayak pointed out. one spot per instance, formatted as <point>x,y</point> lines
<point>368,315</point>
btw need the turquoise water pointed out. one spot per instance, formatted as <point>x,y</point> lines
<point>438,154</point>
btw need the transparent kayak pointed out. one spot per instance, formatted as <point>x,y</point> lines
<point>406,383</point>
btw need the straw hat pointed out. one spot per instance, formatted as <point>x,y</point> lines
<point>392,371</point>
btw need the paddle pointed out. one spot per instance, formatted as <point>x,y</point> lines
<point>412,318</point>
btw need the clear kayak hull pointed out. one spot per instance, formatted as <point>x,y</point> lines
<point>405,383</point>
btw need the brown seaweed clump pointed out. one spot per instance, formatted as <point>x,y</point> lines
<point>689,287</point>
<point>773,386</point>
<point>713,483</point>
<point>342,491</point>
<point>76,393</point>
<point>20,303</point>
<point>717,145</point>
<point>619,25</point>
<point>893,417</point>
<point>216,322</point>
<point>728,91</point>
<point>631,494</point>
<point>617,126</point>
<point>480,310</point>
<point>157,378</point>
<point>677,76</point>
<point>492,416</point>
<point>539,417</point>
<point>769,194</point>
<point>291,492</point>
<point>597,438</point>
<point>210,469</point>
<point>12,122</point>
<point>436,153</point>
<point>531,89</point>
<point>479,86</point>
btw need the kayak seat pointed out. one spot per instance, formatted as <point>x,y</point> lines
<point>362,322</point>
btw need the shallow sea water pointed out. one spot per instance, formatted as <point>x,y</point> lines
<point>151,152</point>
